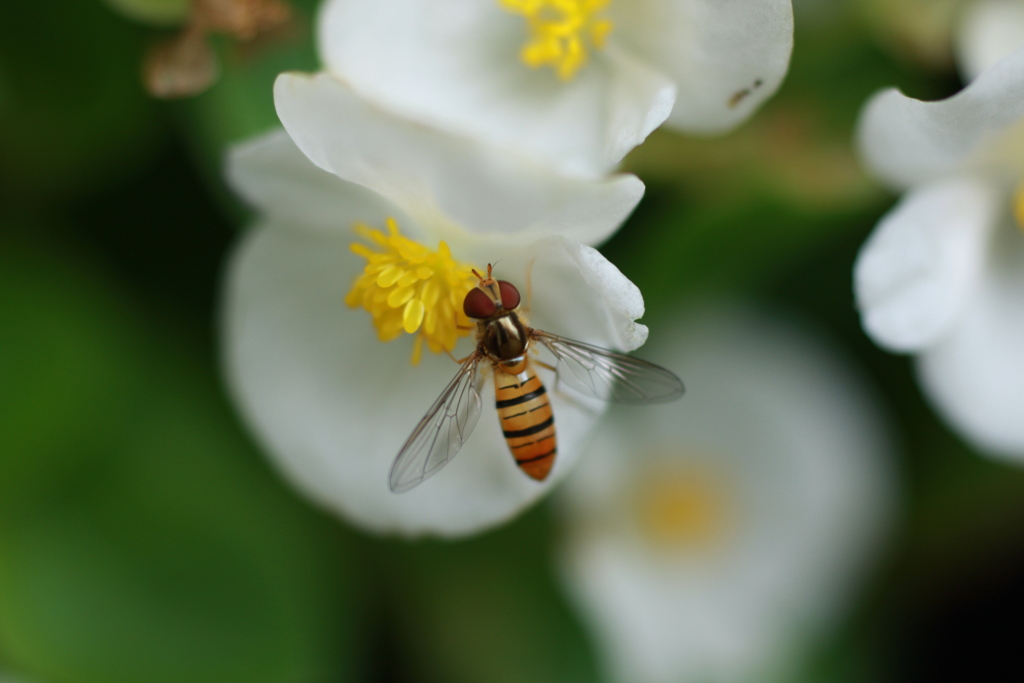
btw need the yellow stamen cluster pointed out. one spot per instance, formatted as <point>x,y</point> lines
<point>1018,206</point>
<point>406,287</point>
<point>560,31</point>
<point>682,509</point>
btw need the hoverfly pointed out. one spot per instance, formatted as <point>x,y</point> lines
<point>528,424</point>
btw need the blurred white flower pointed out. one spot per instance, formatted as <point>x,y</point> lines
<point>574,83</point>
<point>942,276</point>
<point>330,402</point>
<point>988,31</point>
<point>715,540</point>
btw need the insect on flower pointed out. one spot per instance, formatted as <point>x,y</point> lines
<point>504,340</point>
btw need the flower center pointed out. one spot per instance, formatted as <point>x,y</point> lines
<point>560,31</point>
<point>406,287</point>
<point>685,508</point>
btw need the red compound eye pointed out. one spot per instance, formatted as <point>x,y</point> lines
<point>477,304</point>
<point>509,295</point>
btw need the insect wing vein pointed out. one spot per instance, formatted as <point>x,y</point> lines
<point>610,376</point>
<point>442,431</point>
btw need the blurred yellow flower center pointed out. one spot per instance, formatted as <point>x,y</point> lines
<point>682,509</point>
<point>1018,206</point>
<point>406,287</point>
<point>561,32</point>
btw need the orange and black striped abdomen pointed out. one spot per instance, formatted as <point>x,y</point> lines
<point>526,420</point>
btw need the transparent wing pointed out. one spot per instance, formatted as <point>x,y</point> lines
<point>610,376</point>
<point>441,432</point>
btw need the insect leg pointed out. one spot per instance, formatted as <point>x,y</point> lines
<point>464,328</point>
<point>529,284</point>
<point>541,363</point>
<point>555,371</point>
<point>460,361</point>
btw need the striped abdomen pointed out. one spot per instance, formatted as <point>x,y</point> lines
<point>526,419</point>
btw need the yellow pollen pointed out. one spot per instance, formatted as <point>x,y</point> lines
<point>560,32</point>
<point>682,509</point>
<point>1018,206</point>
<point>408,288</point>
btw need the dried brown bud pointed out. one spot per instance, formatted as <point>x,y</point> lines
<point>243,19</point>
<point>180,67</point>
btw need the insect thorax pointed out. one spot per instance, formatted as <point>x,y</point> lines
<point>504,337</point>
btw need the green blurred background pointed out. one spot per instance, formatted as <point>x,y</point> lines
<point>143,538</point>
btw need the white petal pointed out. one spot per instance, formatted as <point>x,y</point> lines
<point>975,374</point>
<point>273,175</point>
<point>635,100</point>
<point>713,50</point>
<point>988,31</point>
<point>332,405</point>
<point>455,64</point>
<point>619,299</point>
<point>919,270</point>
<point>790,428</point>
<point>444,181</point>
<point>907,142</point>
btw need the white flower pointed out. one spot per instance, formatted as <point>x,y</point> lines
<point>716,539</point>
<point>574,83</point>
<point>942,276</point>
<point>330,402</point>
<point>989,31</point>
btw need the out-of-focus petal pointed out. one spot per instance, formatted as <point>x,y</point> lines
<point>455,64</point>
<point>908,142</point>
<point>975,374</point>
<point>988,31</point>
<point>444,181</point>
<point>801,460</point>
<point>920,268</point>
<point>714,50</point>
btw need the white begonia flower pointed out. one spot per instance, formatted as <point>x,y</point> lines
<point>988,31</point>
<point>715,540</point>
<point>573,83</point>
<point>330,402</point>
<point>942,276</point>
